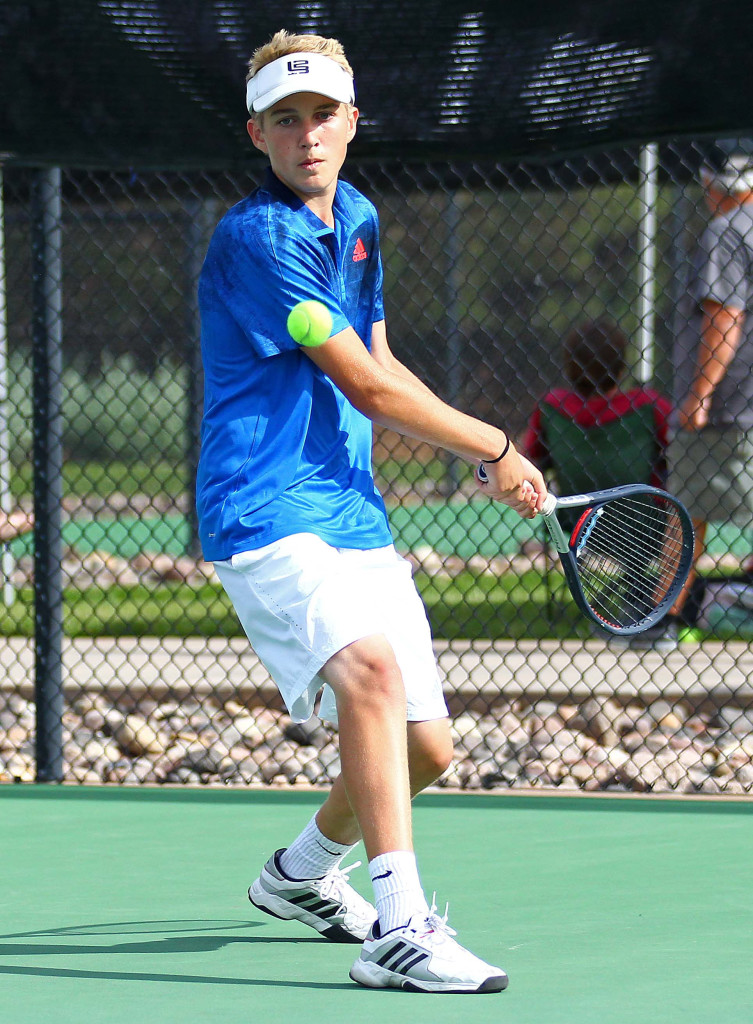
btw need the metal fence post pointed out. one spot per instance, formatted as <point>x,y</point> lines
<point>6,500</point>
<point>453,326</point>
<point>46,238</point>
<point>201,216</point>
<point>649,167</point>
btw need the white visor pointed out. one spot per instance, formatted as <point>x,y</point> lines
<point>298,72</point>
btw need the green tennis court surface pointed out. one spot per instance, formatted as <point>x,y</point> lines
<point>129,905</point>
<point>465,528</point>
<point>461,528</point>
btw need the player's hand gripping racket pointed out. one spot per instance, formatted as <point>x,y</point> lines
<point>627,556</point>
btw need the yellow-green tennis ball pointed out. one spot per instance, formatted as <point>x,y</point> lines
<point>310,323</point>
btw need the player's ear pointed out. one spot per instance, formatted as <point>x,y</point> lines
<point>352,122</point>
<point>254,129</point>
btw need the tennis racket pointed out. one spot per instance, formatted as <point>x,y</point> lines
<point>627,555</point>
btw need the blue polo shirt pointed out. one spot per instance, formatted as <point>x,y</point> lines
<point>283,450</point>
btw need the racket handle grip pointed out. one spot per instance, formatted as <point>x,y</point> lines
<point>550,502</point>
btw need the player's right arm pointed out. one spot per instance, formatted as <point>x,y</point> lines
<point>721,330</point>
<point>392,396</point>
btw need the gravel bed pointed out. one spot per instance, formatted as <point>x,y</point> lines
<point>597,745</point>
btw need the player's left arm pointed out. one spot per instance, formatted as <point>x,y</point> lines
<point>384,356</point>
<point>400,401</point>
<point>721,330</point>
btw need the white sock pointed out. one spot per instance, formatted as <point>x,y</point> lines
<point>397,889</point>
<point>312,855</point>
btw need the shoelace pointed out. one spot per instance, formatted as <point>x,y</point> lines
<point>333,883</point>
<point>434,923</point>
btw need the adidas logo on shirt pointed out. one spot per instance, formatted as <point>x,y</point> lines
<point>359,253</point>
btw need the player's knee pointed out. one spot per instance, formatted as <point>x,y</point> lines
<point>382,682</point>
<point>430,758</point>
<point>440,758</point>
<point>433,763</point>
<point>369,673</point>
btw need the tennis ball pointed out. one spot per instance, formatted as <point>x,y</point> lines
<point>309,323</point>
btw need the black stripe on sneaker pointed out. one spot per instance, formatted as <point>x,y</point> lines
<point>309,902</point>
<point>411,963</point>
<point>394,964</point>
<point>331,910</point>
<point>393,951</point>
<point>314,905</point>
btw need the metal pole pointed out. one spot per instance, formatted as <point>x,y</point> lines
<point>6,501</point>
<point>649,164</point>
<point>681,260</point>
<point>452,321</point>
<point>47,336</point>
<point>202,217</point>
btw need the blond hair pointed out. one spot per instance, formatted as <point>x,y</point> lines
<point>283,43</point>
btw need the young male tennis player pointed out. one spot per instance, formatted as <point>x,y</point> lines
<point>297,531</point>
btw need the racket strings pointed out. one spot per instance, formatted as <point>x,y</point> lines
<point>625,597</point>
<point>618,552</point>
<point>629,553</point>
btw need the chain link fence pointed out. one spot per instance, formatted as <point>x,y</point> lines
<point>488,268</point>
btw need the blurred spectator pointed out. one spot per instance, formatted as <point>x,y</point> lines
<point>593,434</point>
<point>13,524</point>
<point>711,453</point>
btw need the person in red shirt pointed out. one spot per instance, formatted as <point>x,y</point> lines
<point>595,434</point>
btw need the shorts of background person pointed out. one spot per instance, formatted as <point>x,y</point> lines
<point>711,472</point>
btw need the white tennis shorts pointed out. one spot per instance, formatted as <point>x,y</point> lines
<point>300,601</point>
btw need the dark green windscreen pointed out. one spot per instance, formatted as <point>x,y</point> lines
<point>121,83</point>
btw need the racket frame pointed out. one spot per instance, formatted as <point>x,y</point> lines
<point>591,502</point>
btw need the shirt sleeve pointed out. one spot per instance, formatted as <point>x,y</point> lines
<point>721,275</point>
<point>261,273</point>
<point>379,286</point>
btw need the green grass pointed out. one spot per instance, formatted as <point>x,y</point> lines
<point>154,476</point>
<point>467,606</point>
<point>475,607</point>
<point>150,477</point>
<point>167,610</point>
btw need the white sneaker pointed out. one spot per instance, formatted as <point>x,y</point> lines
<point>422,957</point>
<point>329,905</point>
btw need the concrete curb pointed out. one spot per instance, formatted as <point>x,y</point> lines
<point>476,673</point>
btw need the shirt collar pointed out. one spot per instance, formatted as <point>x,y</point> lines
<point>280,190</point>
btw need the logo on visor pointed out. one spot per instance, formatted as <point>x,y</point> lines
<point>298,67</point>
<point>359,252</point>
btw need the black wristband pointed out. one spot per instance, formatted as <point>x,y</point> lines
<point>490,462</point>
